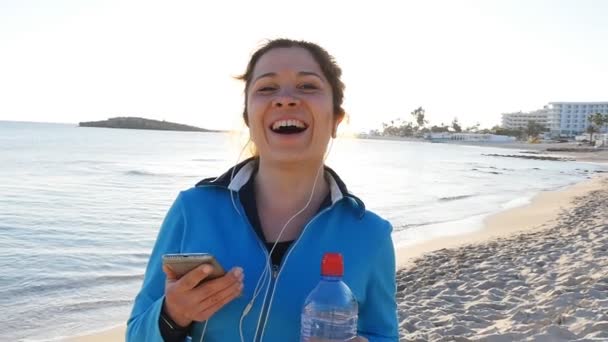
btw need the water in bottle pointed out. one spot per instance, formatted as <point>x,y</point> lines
<point>330,310</point>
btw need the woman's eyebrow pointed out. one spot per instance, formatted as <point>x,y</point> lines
<point>268,74</point>
<point>310,73</point>
<point>301,73</point>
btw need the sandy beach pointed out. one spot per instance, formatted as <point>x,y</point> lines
<point>548,282</point>
<point>537,272</point>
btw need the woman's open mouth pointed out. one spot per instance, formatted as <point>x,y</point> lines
<point>290,126</point>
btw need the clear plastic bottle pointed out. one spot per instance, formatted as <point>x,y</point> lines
<point>330,311</point>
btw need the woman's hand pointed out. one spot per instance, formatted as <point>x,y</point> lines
<point>186,302</point>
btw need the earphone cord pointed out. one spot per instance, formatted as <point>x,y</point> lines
<point>296,243</point>
<point>204,330</point>
<point>267,271</point>
<point>267,268</point>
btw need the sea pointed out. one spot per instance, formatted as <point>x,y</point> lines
<point>80,207</point>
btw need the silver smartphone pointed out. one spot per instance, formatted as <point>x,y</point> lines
<point>186,262</point>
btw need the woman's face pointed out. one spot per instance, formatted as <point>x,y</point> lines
<point>289,107</point>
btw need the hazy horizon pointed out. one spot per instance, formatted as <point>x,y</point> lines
<point>72,61</point>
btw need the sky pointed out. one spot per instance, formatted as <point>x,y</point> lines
<point>83,60</point>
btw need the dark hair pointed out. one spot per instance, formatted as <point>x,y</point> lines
<point>327,63</point>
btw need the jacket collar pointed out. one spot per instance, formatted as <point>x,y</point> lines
<point>244,170</point>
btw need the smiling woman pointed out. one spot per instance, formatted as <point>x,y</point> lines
<point>299,82</point>
<point>271,217</point>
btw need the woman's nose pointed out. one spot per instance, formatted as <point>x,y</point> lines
<point>285,101</point>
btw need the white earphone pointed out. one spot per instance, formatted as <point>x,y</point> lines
<point>267,269</point>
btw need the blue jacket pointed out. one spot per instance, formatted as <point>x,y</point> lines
<point>204,220</point>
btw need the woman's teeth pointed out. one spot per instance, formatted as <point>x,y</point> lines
<point>288,126</point>
<point>288,123</point>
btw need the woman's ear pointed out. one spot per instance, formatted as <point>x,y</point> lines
<point>245,117</point>
<point>337,122</point>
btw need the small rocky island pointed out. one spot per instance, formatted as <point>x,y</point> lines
<point>141,123</point>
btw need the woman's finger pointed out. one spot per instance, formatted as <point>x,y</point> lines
<point>191,279</point>
<point>213,304</point>
<point>171,275</point>
<point>212,287</point>
<point>218,296</point>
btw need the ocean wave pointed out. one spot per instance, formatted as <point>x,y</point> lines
<point>92,161</point>
<point>455,198</point>
<point>414,225</point>
<point>483,171</point>
<point>141,173</point>
<point>79,307</point>
<point>110,279</point>
<point>44,286</point>
<point>207,160</point>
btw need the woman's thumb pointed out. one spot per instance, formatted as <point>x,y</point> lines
<point>171,276</point>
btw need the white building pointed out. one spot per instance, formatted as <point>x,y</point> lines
<point>468,137</point>
<point>520,119</point>
<point>570,118</point>
<point>599,140</point>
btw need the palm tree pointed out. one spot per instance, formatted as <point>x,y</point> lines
<point>418,115</point>
<point>456,125</point>
<point>591,129</point>
<point>596,121</point>
<point>534,129</point>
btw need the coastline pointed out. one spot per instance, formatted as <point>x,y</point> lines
<point>599,155</point>
<point>115,334</point>
<point>595,156</point>
<point>533,273</point>
<point>540,214</point>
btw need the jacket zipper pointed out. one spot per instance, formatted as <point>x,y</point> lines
<point>276,270</point>
<point>266,258</point>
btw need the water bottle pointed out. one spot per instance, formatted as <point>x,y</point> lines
<point>330,310</point>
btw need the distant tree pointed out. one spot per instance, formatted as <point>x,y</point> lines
<point>418,115</point>
<point>518,133</point>
<point>596,121</point>
<point>591,130</point>
<point>473,129</point>
<point>398,128</point>
<point>439,129</point>
<point>534,129</point>
<point>456,126</point>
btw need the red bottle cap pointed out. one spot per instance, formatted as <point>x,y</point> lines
<point>332,265</point>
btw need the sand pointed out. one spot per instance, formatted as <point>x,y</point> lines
<point>537,272</point>
<point>547,283</point>
<point>113,335</point>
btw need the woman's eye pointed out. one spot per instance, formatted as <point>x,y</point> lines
<point>266,89</point>
<point>308,86</point>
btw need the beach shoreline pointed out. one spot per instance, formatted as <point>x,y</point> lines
<point>538,273</point>
<point>585,153</point>
<point>540,214</point>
